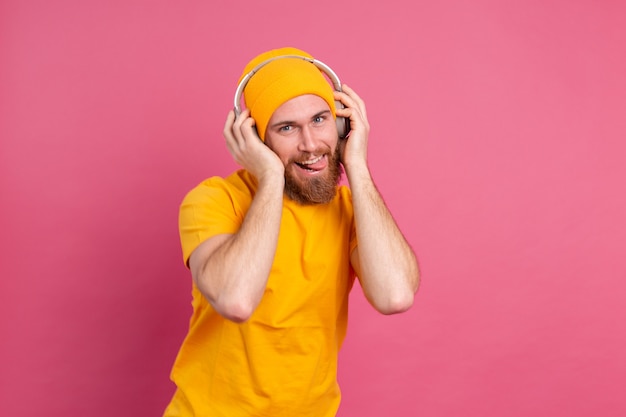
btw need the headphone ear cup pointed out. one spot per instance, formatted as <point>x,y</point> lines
<point>343,124</point>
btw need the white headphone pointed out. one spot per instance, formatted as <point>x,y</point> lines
<point>343,124</point>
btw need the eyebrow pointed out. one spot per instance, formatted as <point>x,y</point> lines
<point>290,122</point>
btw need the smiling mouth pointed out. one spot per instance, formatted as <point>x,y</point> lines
<point>313,165</point>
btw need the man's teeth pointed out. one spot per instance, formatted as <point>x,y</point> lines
<point>312,161</point>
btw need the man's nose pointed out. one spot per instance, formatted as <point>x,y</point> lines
<point>308,141</point>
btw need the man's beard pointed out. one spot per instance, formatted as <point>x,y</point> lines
<point>316,190</point>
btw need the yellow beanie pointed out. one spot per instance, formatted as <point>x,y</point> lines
<point>280,81</point>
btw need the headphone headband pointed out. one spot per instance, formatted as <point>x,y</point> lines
<point>319,64</point>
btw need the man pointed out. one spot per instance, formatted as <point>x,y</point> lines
<point>274,248</point>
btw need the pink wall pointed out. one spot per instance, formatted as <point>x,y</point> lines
<point>498,141</point>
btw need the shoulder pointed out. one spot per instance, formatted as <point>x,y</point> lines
<point>344,198</point>
<point>344,193</point>
<point>215,206</point>
<point>239,186</point>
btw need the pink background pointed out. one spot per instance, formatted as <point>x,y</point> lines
<point>498,142</point>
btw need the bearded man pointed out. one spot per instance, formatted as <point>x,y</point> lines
<point>274,248</point>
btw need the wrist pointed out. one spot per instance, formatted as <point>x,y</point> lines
<point>272,179</point>
<point>356,169</point>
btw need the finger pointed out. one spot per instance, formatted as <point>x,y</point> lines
<point>351,110</point>
<point>234,129</point>
<point>360,104</point>
<point>348,102</point>
<point>247,129</point>
<point>239,120</point>
<point>230,119</point>
<point>228,126</point>
<point>229,136</point>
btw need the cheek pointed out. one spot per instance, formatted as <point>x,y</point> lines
<point>284,152</point>
<point>330,132</point>
<point>333,143</point>
<point>277,146</point>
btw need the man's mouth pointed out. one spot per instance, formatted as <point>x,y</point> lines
<point>314,164</point>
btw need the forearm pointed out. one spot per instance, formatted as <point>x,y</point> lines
<point>234,276</point>
<point>388,269</point>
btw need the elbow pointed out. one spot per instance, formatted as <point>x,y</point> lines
<point>233,306</point>
<point>238,311</point>
<point>399,299</point>
<point>399,303</point>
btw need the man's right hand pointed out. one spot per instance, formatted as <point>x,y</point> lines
<point>248,149</point>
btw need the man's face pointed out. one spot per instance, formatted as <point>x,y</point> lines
<point>303,133</point>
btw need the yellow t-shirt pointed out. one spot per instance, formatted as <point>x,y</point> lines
<point>283,360</point>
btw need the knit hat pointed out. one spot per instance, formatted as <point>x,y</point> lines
<point>279,81</point>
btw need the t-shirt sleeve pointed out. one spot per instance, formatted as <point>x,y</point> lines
<point>206,211</point>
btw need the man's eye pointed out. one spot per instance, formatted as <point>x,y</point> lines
<point>286,128</point>
<point>318,119</point>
